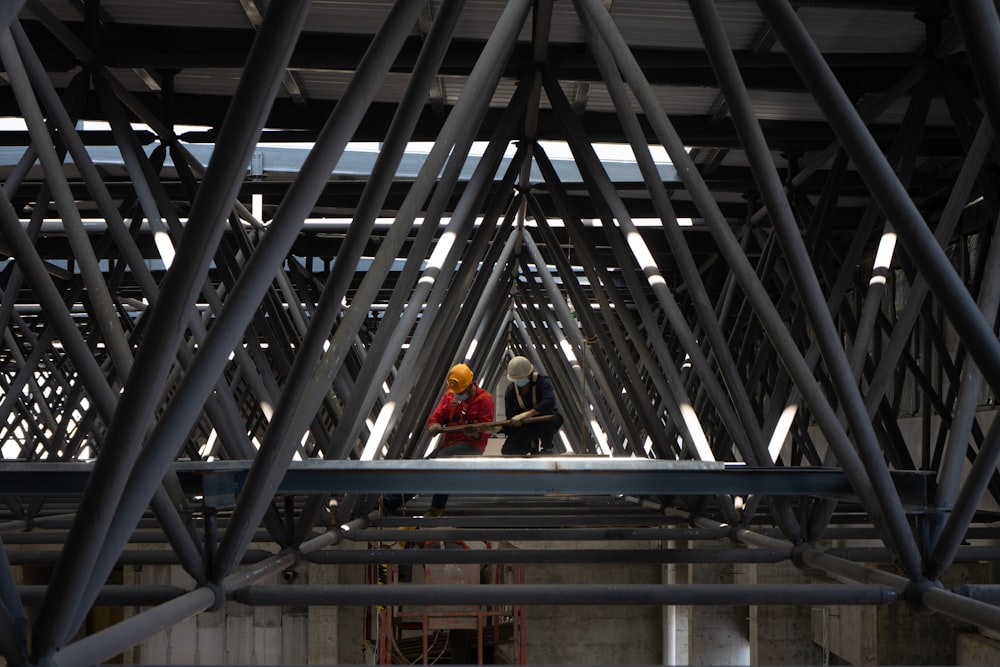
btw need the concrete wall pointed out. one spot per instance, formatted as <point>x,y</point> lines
<point>898,635</point>
<point>234,634</point>
<point>598,634</point>
<point>976,649</point>
<point>595,634</point>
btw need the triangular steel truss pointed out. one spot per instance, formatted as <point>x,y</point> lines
<point>200,337</point>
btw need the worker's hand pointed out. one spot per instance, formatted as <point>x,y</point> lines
<point>434,428</point>
<point>519,418</point>
<point>471,431</point>
<point>491,429</point>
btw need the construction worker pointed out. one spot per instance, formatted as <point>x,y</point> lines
<point>465,402</point>
<point>529,395</point>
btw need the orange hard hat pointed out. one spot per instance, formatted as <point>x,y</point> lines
<point>459,378</point>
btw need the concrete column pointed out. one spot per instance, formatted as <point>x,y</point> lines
<point>781,635</point>
<point>336,633</point>
<point>675,617</point>
<point>718,635</point>
<point>323,621</point>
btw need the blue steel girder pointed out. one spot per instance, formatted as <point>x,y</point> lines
<point>578,475</point>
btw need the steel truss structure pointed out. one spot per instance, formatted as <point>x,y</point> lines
<point>226,341</point>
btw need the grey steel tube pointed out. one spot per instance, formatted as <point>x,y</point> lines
<point>574,229</point>
<point>13,620</point>
<point>490,321</point>
<point>112,595</point>
<point>436,278</point>
<point>8,13</point>
<point>983,592</point>
<point>489,308</point>
<point>740,417</point>
<point>105,644</point>
<point>907,142</point>
<point>283,230</point>
<point>611,413</point>
<point>967,609</point>
<point>575,336</point>
<point>471,104</point>
<point>881,554</point>
<point>484,74</point>
<point>83,162</point>
<point>691,428</point>
<point>952,464</point>
<point>128,557</point>
<point>567,594</point>
<point>89,372</point>
<point>852,572</point>
<point>747,278</point>
<point>548,556</point>
<point>914,233</point>
<point>28,368</point>
<point>167,322</point>
<point>813,301</point>
<point>55,178</point>
<point>368,207</point>
<point>918,592</point>
<point>546,534</point>
<point>980,29</point>
<point>612,337</point>
<point>967,502</point>
<point>111,641</point>
<point>882,378</point>
<point>378,363</point>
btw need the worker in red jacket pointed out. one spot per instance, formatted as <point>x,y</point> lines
<point>465,402</point>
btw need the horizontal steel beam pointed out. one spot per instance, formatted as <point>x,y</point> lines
<point>220,481</point>
<point>568,594</point>
<point>507,594</point>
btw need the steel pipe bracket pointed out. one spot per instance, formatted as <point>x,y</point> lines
<point>914,591</point>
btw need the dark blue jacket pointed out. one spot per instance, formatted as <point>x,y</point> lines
<point>538,394</point>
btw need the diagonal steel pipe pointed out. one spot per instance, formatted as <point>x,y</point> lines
<point>265,66</point>
<point>610,360</point>
<point>457,130</point>
<point>618,425</point>
<point>107,643</point>
<point>980,29</point>
<point>914,233</point>
<point>434,286</point>
<point>282,232</point>
<point>618,336</point>
<point>796,255</point>
<point>771,320</point>
<point>486,283</point>
<point>740,417</point>
<point>55,177</point>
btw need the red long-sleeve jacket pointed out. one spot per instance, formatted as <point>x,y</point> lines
<point>476,409</point>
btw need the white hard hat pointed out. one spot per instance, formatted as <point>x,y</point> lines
<point>519,367</point>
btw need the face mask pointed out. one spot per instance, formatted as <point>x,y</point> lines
<point>521,382</point>
<point>464,395</point>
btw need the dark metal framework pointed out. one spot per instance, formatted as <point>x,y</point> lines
<point>233,349</point>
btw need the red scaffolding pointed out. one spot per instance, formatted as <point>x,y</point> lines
<point>427,634</point>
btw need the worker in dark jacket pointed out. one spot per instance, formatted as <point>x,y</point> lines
<point>529,396</point>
